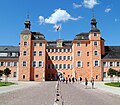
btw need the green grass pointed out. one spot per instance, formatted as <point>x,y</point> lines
<point>114,84</point>
<point>6,84</point>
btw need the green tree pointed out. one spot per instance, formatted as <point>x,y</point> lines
<point>1,73</point>
<point>111,72</point>
<point>6,72</point>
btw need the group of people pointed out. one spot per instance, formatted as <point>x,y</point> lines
<point>92,82</point>
<point>68,79</point>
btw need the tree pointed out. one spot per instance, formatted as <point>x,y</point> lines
<point>6,72</point>
<point>1,73</point>
<point>111,72</point>
<point>118,74</point>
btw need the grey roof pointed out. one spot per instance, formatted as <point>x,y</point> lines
<point>66,43</point>
<point>94,30</point>
<point>37,36</point>
<point>26,31</point>
<point>9,48</point>
<point>112,52</point>
<point>82,36</point>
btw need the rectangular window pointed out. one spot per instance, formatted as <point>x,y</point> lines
<point>34,53</point>
<point>68,66</point>
<point>52,66</point>
<point>40,53</point>
<point>118,63</point>
<point>64,57</point>
<point>79,64</point>
<point>48,50</point>
<point>111,63</point>
<point>68,50</point>
<point>24,53</point>
<point>48,75</point>
<point>56,66</point>
<point>64,50</point>
<point>15,64</point>
<point>88,64</point>
<point>52,58</point>
<point>34,43</point>
<point>104,74</point>
<point>78,44</point>
<point>56,50</point>
<point>8,63</point>
<point>95,43</point>
<point>88,53</point>
<point>34,64</point>
<point>68,57</point>
<point>24,63</point>
<point>95,52</point>
<point>40,44</point>
<point>60,66</point>
<point>52,50</point>
<point>14,74</point>
<point>104,64</point>
<point>48,57</point>
<point>56,57</point>
<point>95,34</point>
<point>86,44</point>
<point>64,66</point>
<point>48,66</point>
<point>78,53</point>
<point>60,50</point>
<point>25,43</point>
<point>60,57</point>
<point>40,63</point>
<point>96,63</point>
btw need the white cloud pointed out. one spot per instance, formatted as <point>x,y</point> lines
<point>77,5</point>
<point>41,19</point>
<point>107,10</point>
<point>116,20</point>
<point>90,3</point>
<point>58,16</point>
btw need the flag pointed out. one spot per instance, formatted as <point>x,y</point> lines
<point>58,28</point>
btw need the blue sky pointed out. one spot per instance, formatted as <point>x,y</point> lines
<point>73,16</point>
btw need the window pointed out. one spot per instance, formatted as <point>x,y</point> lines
<point>24,53</point>
<point>104,74</point>
<point>79,64</point>
<point>40,53</point>
<point>111,63</point>
<point>52,58</point>
<point>95,52</point>
<point>34,43</point>
<point>64,57</point>
<point>34,64</point>
<point>23,76</point>
<point>52,66</point>
<point>86,44</point>
<point>25,43</point>
<point>95,43</point>
<point>118,63</point>
<point>64,66</point>
<point>40,64</point>
<point>14,63</point>
<point>96,76</point>
<point>88,64</point>
<point>68,66</point>
<point>40,44</point>
<point>34,53</point>
<point>56,66</point>
<point>14,74</point>
<point>60,66</point>
<point>88,53</point>
<point>48,75</point>
<point>36,75</point>
<point>78,53</point>
<point>24,63</point>
<point>56,50</point>
<point>48,66</point>
<point>104,64</point>
<point>95,34</point>
<point>56,57</point>
<point>60,50</point>
<point>64,50</point>
<point>78,44</point>
<point>60,57</point>
<point>96,63</point>
<point>48,57</point>
<point>68,50</point>
<point>48,50</point>
<point>8,63</point>
<point>68,57</point>
<point>1,63</point>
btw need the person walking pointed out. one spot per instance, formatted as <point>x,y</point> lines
<point>86,82</point>
<point>92,82</point>
<point>66,80</point>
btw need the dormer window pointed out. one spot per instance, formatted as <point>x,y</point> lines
<point>95,34</point>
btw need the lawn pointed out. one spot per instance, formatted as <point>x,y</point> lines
<point>114,84</point>
<point>6,84</point>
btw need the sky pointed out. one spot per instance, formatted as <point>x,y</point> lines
<point>71,16</point>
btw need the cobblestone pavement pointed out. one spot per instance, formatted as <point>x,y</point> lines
<point>69,94</point>
<point>39,94</point>
<point>77,94</point>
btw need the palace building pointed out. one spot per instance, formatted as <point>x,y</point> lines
<point>37,59</point>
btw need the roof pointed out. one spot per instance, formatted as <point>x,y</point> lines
<point>37,36</point>
<point>94,30</point>
<point>112,52</point>
<point>82,36</point>
<point>66,43</point>
<point>26,31</point>
<point>9,48</point>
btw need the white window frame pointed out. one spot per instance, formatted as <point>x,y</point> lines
<point>95,43</point>
<point>78,53</point>
<point>24,63</point>
<point>95,53</point>
<point>34,64</point>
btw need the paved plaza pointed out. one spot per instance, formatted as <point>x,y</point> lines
<point>52,93</point>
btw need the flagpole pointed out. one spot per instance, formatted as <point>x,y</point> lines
<point>59,34</point>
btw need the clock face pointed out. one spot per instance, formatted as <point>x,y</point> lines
<point>25,37</point>
<point>59,44</point>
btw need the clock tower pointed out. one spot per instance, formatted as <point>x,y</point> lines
<point>25,53</point>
